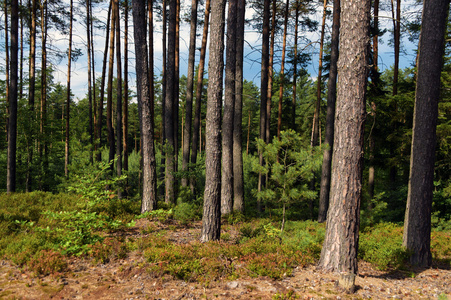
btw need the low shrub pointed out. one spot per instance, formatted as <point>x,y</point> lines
<point>381,246</point>
<point>47,262</point>
<point>108,249</point>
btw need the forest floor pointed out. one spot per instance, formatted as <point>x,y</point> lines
<point>128,279</point>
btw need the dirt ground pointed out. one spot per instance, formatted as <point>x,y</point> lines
<point>128,279</point>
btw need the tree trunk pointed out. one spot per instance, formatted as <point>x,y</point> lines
<point>69,60</point>
<point>31,94</point>
<point>163,94</point>
<point>189,91</point>
<point>7,63</point>
<point>151,64</point>
<point>43,113</point>
<point>94,145</point>
<point>295,66</point>
<point>339,252</point>
<point>238,176</point>
<point>229,111</point>
<point>330,117</point>
<point>102,85</point>
<point>417,222</point>
<point>119,98</point>
<point>282,71</point>
<point>199,87</point>
<point>109,107</point>
<point>270,72</point>
<point>12,130</point>
<point>315,127</point>
<point>263,96</point>
<point>149,199</point>
<point>211,220</point>
<point>169,104</point>
<point>125,92</point>
<point>89,46</point>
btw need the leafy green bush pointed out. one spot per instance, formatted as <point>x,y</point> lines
<point>381,246</point>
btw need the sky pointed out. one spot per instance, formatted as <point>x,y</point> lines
<point>252,56</point>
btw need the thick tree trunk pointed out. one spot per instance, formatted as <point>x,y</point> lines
<point>330,117</point>
<point>211,220</point>
<point>169,104</point>
<point>417,222</point>
<point>229,111</point>
<point>163,94</point>
<point>7,63</point>
<point>189,91</point>
<point>199,87</point>
<point>69,60</point>
<point>12,130</point>
<point>149,199</point>
<point>339,252</point>
<point>264,95</point>
<point>282,70</point>
<point>238,176</point>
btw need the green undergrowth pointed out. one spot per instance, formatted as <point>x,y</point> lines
<point>39,231</point>
<point>258,250</point>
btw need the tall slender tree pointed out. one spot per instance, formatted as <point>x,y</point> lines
<point>31,93</point>
<point>295,65</point>
<point>169,104</point>
<point>282,69</point>
<point>102,84</point>
<point>263,84</point>
<point>43,155</point>
<point>12,130</point>
<point>270,71</point>
<point>149,195</point>
<point>339,252</point>
<point>417,222</point>
<point>199,87</point>
<point>189,91</point>
<point>238,176</point>
<point>330,116</point>
<point>109,107</point>
<point>69,60</point>
<point>211,220</point>
<point>125,92</point>
<point>229,111</point>
<point>88,49</point>
<point>118,96</point>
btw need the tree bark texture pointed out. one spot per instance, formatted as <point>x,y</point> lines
<point>169,111</point>
<point>125,146</point>
<point>270,72</point>
<point>417,222</point>
<point>199,88</point>
<point>211,220</point>
<point>189,92</point>
<point>229,111</point>
<point>238,176</point>
<point>263,84</point>
<point>339,252</point>
<point>149,195</point>
<point>13,87</point>
<point>330,117</point>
